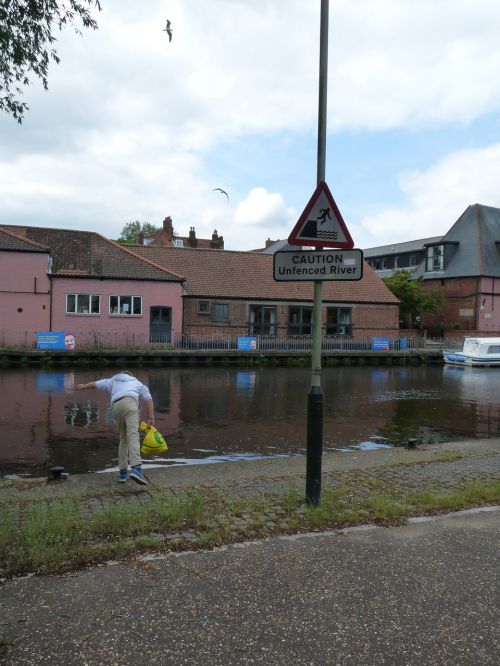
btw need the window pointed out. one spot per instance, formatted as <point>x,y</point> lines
<point>338,321</point>
<point>494,349</point>
<point>435,258</point>
<point>83,304</point>
<point>262,320</point>
<point>125,305</point>
<point>299,320</point>
<point>220,312</point>
<point>178,242</point>
<point>203,307</point>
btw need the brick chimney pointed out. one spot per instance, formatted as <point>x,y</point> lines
<point>192,242</point>
<point>168,228</point>
<point>269,242</point>
<point>217,242</point>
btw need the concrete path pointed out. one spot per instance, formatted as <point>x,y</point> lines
<point>420,595</point>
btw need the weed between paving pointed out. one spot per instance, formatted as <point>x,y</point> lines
<point>60,535</point>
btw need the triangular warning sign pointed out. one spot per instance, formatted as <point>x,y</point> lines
<point>321,224</point>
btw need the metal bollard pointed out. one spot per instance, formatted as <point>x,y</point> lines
<point>57,474</point>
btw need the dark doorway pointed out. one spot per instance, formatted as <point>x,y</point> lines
<point>160,324</point>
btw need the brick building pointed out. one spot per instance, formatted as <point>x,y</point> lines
<point>234,293</point>
<point>167,237</point>
<point>464,264</point>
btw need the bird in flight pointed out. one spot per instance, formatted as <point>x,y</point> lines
<point>168,30</point>
<point>222,191</point>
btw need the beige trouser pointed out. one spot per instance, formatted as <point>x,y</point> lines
<point>126,416</point>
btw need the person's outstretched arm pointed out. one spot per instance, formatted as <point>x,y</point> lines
<point>80,387</point>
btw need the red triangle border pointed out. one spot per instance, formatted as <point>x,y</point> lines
<point>293,237</point>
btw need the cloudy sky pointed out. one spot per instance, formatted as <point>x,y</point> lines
<point>135,127</point>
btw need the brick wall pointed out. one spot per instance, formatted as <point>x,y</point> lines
<point>367,319</point>
<point>461,305</point>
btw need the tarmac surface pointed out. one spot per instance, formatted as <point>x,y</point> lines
<point>423,593</point>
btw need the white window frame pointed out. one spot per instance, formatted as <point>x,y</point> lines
<point>120,312</point>
<point>79,297</point>
<point>435,258</point>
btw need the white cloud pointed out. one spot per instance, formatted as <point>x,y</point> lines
<point>132,125</point>
<point>437,197</point>
<point>261,215</point>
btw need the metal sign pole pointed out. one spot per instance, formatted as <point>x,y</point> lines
<point>315,396</point>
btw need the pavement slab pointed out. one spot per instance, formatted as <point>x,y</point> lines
<point>424,594</point>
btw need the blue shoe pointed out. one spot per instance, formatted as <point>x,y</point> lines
<point>123,476</point>
<point>137,475</point>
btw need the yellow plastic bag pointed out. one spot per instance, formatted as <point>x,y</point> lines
<point>153,442</point>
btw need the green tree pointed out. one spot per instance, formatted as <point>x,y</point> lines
<point>132,231</point>
<point>414,298</point>
<point>27,30</point>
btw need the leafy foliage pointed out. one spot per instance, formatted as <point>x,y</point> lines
<point>26,37</point>
<point>414,298</point>
<point>132,231</point>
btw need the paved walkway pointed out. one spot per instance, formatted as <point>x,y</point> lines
<point>425,594</point>
<point>422,594</point>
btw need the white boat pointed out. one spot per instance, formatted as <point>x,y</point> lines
<point>476,351</point>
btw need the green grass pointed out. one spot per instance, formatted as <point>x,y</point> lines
<point>58,536</point>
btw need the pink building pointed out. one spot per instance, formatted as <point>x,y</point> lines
<point>24,288</point>
<point>82,283</point>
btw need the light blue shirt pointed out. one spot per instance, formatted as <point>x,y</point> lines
<point>122,386</point>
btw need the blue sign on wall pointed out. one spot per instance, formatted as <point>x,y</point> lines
<point>55,340</point>
<point>380,344</point>
<point>248,343</point>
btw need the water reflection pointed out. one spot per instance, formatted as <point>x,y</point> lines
<point>215,414</point>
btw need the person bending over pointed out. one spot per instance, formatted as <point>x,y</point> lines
<point>126,392</point>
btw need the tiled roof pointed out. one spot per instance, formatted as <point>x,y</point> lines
<point>10,241</point>
<point>90,255</point>
<point>249,275</point>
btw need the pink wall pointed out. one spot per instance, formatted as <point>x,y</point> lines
<point>488,315</point>
<point>166,294</point>
<point>24,294</point>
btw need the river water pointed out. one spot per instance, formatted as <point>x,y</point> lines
<point>213,414</point>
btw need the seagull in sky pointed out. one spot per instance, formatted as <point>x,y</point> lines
<point>221,190</point>
<point>168,30</point>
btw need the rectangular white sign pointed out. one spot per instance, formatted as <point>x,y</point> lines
<point>318,265</point>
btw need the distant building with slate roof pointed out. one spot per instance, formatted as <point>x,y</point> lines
<point>464,264</point>
<point>385,259</point>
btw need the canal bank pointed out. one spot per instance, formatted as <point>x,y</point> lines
<point>223,357</point>
<point>58,525</point>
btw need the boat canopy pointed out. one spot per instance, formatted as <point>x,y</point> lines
<point>481,346</point>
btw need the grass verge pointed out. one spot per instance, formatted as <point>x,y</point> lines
<point>58,537</point>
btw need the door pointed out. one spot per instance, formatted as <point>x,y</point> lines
<point>160,324</point>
